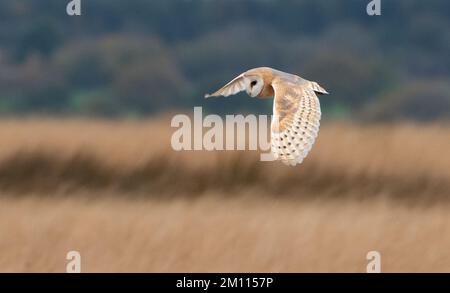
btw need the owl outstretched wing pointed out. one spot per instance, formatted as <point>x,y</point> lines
<point>233,87</point>
<point>296,118</point>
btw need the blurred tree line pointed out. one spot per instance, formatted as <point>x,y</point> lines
<point>140,57</point>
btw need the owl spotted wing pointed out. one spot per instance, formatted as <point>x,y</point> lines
<point>233,87</point>
<point>296,118</point>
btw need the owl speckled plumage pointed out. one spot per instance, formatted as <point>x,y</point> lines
<point>296,109</point>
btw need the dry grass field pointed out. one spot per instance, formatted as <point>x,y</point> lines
<point>117,193</point>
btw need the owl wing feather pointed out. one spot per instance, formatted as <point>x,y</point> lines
<point>233,87</point>
<point>296,118</point>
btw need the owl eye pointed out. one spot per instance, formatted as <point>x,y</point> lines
<point>253,83</point>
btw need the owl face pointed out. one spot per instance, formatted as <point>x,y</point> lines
<point>254,85</point>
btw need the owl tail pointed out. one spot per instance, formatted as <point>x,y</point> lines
<point>318,89</point>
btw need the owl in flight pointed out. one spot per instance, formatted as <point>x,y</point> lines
<point>296,109</point>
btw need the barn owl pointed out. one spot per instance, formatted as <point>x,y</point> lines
<point>296,109</point>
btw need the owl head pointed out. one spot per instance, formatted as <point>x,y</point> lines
<point>254,85</point>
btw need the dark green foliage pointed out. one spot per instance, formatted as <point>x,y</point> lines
<point>140,57</point>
